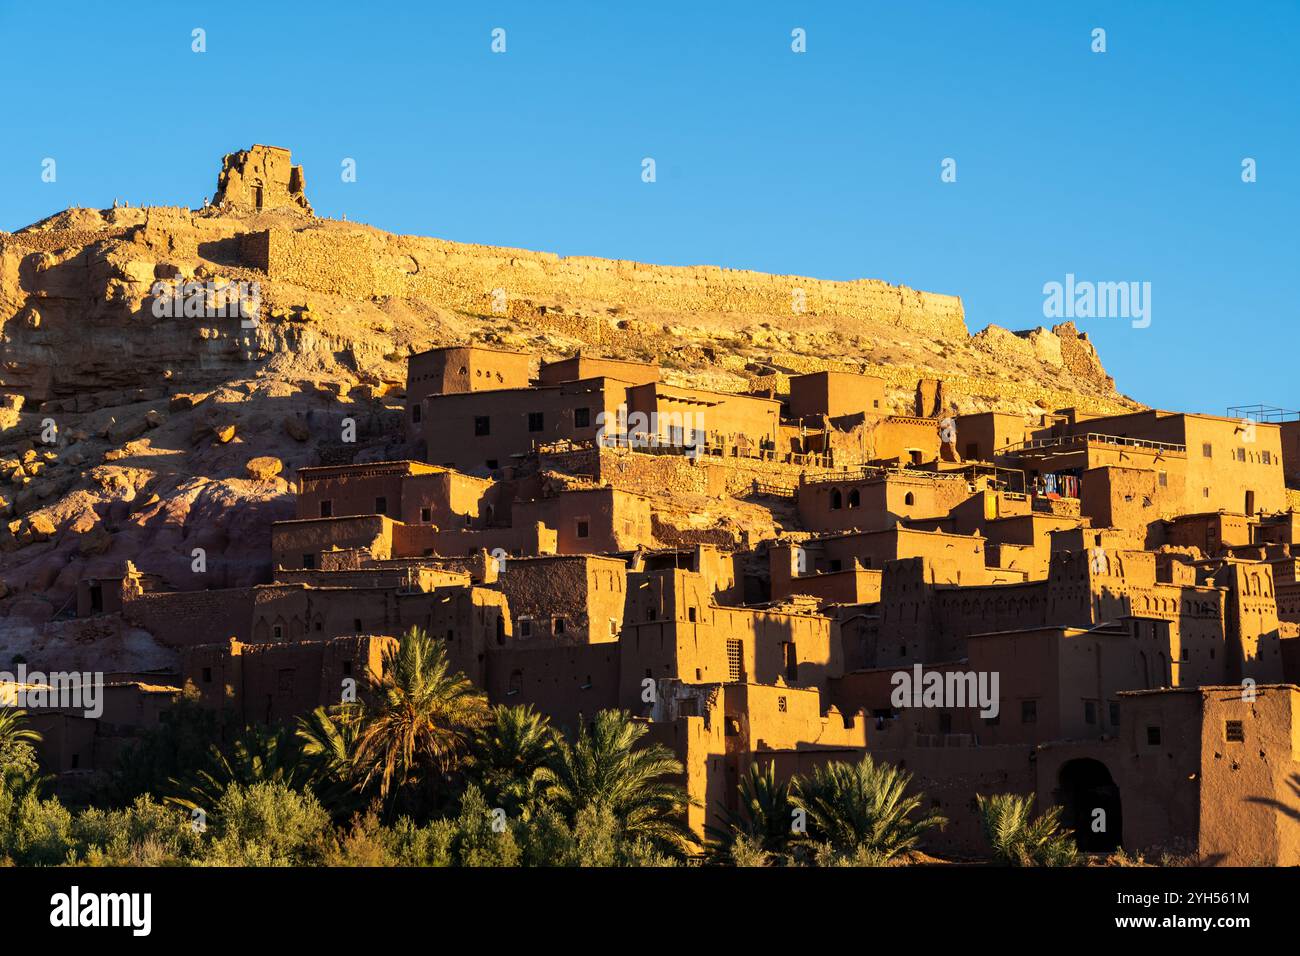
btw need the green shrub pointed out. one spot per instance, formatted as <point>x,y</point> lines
<point>269,824</point>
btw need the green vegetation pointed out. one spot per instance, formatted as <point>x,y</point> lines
<point>426,773</point>
<point>1017,839</point>
<point>841,814</point>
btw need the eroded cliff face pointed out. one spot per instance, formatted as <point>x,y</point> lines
<point>127,433</point>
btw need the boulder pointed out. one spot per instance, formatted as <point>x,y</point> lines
<point>296,428</point>
<point>95,541</point>
<point>120,432</point>
<point>41,526</point>
<point>264,468</point>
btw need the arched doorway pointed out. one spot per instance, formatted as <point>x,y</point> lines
<point>1091,803</point>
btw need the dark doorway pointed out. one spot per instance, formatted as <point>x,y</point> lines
<point>1250,502</point>
<point>1090,799</point>
<point>257,196</point>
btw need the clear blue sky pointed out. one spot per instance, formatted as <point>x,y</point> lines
<point>1115,167</point>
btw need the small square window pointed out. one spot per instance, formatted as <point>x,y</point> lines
<point>690,614</point>
<point>781,704</point>
<point>1153,736</point>
<point>1234,731</point>
<point>327,509</point>
<point>582,418</point>
<point>558,626</point>
<point>1207,450</point>
<point>1089,711</point>
<point>482,425</point>
<point>1029,711</point>
<point>1114,713</point>
<point>426,514</point>
<point>309,561</point>
<point>277,631</point>
<point>525,627</point>
<point>1164,479</point>
<point>584,528</point>
<point>381,505</point>
<point>536,421</point>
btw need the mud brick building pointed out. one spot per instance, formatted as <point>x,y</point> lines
<point>750,573</point>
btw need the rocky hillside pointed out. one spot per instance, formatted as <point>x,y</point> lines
<point>126,434</point>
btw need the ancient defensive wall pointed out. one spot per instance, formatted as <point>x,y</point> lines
<point>359,262</point>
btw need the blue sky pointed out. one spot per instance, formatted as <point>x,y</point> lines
<point>1115,166</point>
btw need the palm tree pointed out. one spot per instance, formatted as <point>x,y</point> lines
<point>328,740</point>
<point>423,719</point>
<point>19,769</point>
<point>508,755</point>
<point>258,755</point>
<point>1018,840</point>
<point>14,729</point>
<point>863,807</point>
<point>606,770</point>
<point>765,813</point>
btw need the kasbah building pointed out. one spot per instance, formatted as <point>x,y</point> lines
<point>1129,579</point>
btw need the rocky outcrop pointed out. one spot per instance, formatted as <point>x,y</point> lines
<point>131,430</point>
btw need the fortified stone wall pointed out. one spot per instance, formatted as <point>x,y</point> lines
<point>362,263</point>
<point>195,617</point>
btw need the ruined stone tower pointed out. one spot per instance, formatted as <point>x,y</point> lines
<point>261,178</point>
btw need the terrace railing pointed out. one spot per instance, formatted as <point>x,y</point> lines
<point>1265,414</point>
<point>1089,438</point>
<point>646,446</point>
